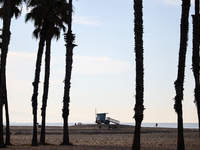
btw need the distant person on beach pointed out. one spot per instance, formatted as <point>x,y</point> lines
<point>156,124</point>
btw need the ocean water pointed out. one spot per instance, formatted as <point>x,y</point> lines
<point>163,125</point>
<point>172,125</point>
<point>168,125</point>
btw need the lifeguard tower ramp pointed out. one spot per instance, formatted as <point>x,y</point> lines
<point>113,120</point>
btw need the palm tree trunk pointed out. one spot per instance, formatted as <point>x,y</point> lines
<point>7,120</point>
<point>136,141</point>
<point>66,99</point>
<point>198,112</point>
<point>181,71</point>
<point>195,58</point>
<point>1,121</point>
<point>4,51</point>
<point>35,88</point>
<point>139,107</point>
<point>195,63</point>
<point>69,38</point>
<point>2,145</point>
<point>46,89</point>
<point>65,132</point>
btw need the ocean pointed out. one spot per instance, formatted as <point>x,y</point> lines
<point>172,125</point>
<point>163,125</point>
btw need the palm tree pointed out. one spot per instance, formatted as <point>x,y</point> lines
<point>4,51</point>
<point>49,19</point>
<point>195,58</point>
<point>14,11</point>
<point>69,38</point>
<point>10,8</point>
<point>53,31</point>
<point>181,71</point>
<point>39,32</point>
<point>139,107</point>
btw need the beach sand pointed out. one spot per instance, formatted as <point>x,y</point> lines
<point>91,137</point>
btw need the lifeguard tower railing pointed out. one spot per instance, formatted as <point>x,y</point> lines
<point>113,120</point>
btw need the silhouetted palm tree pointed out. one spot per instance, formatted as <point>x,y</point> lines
<point>39,32</point>
<point>49,19</point>
<point>69,39</point>
<point>53,31</point>
<point>195,58</point>
<point>10,8</point>
<point>139,107</point>
<point>4,51</point>
<point>181,71</point>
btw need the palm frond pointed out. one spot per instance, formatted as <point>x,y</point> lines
<point>36,33</point>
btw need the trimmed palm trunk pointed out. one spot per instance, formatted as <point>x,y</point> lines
<point>4,51</point>
<point>66,98</point>
<point>35,88</point>
<point>195,58</point>
<point>69,38</point>
<point>7,120</point>
<point>46,89</point>
<point>181,71</point>
<point>139,107</point>
<point>1,129</point>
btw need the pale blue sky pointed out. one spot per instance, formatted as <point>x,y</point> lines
<point>104,64</point>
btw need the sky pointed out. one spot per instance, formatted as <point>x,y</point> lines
<point>103,75</point>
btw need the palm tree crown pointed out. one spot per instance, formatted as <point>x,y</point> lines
<point>15,8</point>
<point>48,14</point>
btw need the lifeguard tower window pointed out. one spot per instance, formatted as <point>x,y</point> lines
<point>101,116</point>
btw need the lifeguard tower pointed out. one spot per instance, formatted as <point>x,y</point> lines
<point>101,118</point>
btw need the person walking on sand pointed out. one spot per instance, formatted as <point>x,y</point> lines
<point>156,124</point>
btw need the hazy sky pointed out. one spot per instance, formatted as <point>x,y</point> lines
<point>103,76</point>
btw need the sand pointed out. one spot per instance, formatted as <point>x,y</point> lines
<point>90,137</point>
